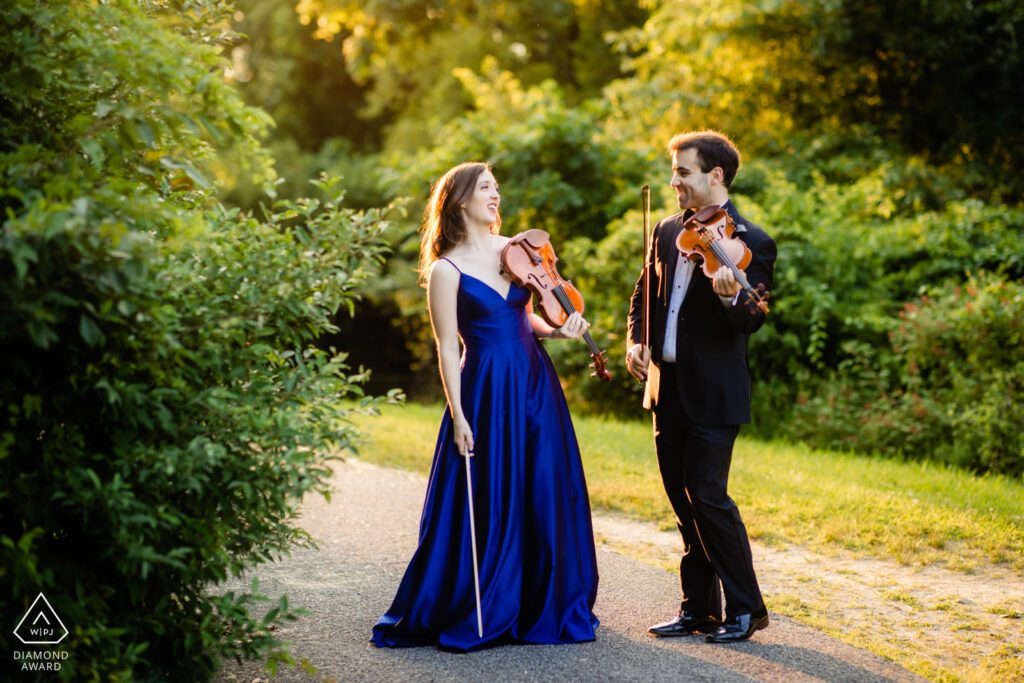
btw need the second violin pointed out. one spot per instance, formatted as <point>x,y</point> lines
<point>529,260</point>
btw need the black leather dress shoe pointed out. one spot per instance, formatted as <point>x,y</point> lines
<point>686,624</point>
<point>739,628</point>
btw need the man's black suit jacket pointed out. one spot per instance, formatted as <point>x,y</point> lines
<point>711,339</point>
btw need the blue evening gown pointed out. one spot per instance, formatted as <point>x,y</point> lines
<point>538,571</point>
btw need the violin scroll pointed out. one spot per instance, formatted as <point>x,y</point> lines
<point>599,366</point>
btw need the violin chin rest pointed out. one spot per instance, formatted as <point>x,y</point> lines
<point>706,214</point>
<point>535,237</point>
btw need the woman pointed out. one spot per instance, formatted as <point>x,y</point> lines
<point>537,568</point>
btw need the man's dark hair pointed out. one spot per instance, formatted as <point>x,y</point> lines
<point>713,149</point>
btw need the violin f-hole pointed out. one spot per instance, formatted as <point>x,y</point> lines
<point>536,280</point>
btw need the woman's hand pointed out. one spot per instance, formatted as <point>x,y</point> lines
<point>463,437</point>
<point>573,328</point>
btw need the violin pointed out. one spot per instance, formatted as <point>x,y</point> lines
<point>529,260</point>
<point>707,238</point>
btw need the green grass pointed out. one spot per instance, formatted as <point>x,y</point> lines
<point>914,513</point>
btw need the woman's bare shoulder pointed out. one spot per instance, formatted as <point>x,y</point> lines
<point>444,270</point>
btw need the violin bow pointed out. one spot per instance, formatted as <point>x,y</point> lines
<point>472,536</point>
<point>645,194</point>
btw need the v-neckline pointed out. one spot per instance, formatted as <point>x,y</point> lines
<point>496,292</point>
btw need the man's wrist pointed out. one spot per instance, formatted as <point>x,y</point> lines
<point>729,301</point>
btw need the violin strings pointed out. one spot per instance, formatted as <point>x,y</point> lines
<point>724,258</point>
<point>567,304</point>
<point>569,307</point>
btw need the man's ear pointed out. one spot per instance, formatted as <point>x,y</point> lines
<point>718,174</point>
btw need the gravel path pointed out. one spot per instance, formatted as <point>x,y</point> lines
<point>367,534</point>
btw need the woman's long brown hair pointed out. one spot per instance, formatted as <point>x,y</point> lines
<point>443,225</point>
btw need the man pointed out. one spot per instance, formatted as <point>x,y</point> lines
<point>698,386</point>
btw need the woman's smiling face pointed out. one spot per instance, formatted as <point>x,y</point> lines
<point>482,205</point>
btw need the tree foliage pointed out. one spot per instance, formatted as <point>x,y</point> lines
<point>406,51</point>
<point>303,82</point>
<point>935,79</point>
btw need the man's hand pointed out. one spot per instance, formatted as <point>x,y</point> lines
<point>637,359</point>
<point>725,283</point>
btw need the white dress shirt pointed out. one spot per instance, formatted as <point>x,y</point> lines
<point>681,282</point>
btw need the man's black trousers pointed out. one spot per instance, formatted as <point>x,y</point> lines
<point>694,461</point>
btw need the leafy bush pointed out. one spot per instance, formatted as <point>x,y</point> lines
<point>164,407</point>
<point>950,386</point>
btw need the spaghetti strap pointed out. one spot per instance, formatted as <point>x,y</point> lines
<point>445,258</point>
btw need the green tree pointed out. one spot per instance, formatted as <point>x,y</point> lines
<point>939,76</point>
<point>935,79</point>
<point>302,81</point>
<point>406,51</point>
